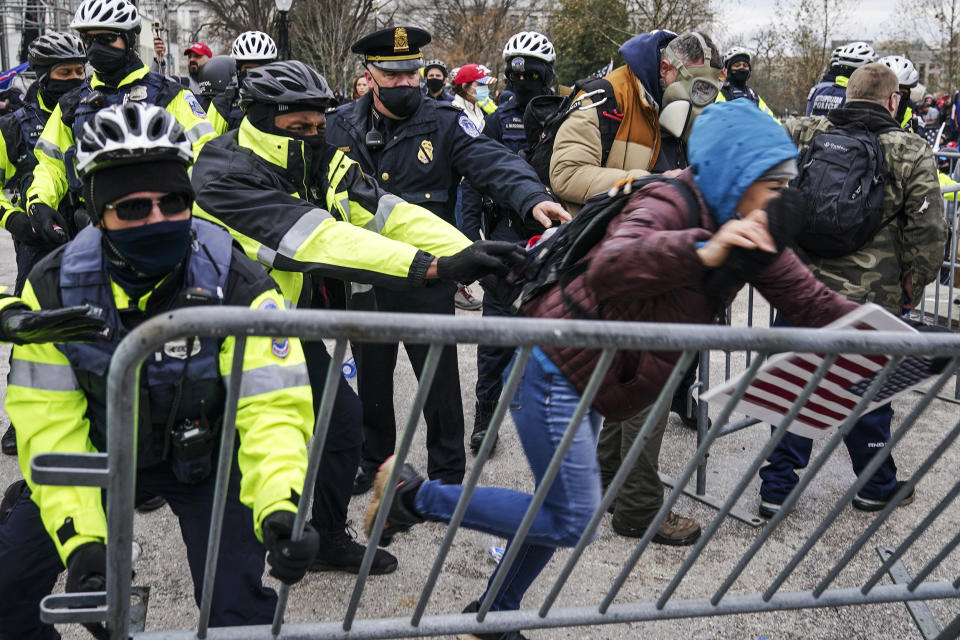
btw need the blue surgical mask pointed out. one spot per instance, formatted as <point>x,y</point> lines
<point>483,92</point>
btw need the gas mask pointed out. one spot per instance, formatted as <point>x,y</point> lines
<point>688,95</point>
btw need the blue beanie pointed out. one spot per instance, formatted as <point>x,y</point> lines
<point>731,145</point>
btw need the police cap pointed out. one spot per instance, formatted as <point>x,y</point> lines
<point>393,48</point>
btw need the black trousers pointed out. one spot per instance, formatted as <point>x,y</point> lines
<point>341,452</point>
<point>443,410</point>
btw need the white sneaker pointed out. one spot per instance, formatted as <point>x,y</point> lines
<point>464,298</point>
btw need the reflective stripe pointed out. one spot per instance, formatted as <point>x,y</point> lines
<point>270,378</point>
<point>200,130</point>
<point>50,149</point>
<point>301,230</point>
<point>385,206</point>
<point>266,255</point>
<point>42,376</point>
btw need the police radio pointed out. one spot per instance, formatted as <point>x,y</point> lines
<point>373,140</point>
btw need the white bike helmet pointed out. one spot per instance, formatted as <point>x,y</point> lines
<point>131,133</point>
<point>856,54</point>
<point>737,51</point>
<point>117,15</point>
<point>835,56</point>
<point>254,46</point>
<point>530,44</point>
<point>906,72</point>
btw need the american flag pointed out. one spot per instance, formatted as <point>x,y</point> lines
<point>780,381</point>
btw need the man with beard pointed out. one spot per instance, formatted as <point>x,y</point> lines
<point>108,29</point>
<point>529,57</point>
<point>197,55</point>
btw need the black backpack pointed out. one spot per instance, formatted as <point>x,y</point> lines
<point>544,115</point>
<point>842,174</point>
<point>558,259</point>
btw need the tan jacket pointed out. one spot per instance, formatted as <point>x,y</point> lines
<point>575,169</point>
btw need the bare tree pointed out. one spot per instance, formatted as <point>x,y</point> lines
<point>676,15</point>
<point>941,20</point>
<point>232,17</point>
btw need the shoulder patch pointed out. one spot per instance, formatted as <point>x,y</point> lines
<point>280,347</point>
<point>467,125</point>
<point>194,105</point>
<point>269,305</point>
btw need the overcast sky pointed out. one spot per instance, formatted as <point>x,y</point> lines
<point>869,20</point>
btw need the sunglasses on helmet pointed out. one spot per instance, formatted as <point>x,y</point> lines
<point>139,208</point>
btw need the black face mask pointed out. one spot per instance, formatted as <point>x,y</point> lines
<point>434,85</point>
<point>55,89</point>
<point>402,102</point>
<point>106,59</point>
<point>527,90</point>
<point>739,77</point>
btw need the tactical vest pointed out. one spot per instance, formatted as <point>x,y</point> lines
<point>152,88</point>
<point>173,383</point>
<point>731,92</point>
<point>32,120</point>
<point>512,136</point>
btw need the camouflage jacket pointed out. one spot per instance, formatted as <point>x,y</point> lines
<point>911,246</point>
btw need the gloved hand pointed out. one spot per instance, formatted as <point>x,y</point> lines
<point>288,560</point>
<point>785,216</point>
<point>18,224</point>
<point>479,259</point>
<point>20,325</point>
<point>49,224</point>
<point>87,571</point>
<point>81,218</point>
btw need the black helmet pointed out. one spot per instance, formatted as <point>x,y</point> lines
<point>216,75</point>
<point>285,82</point>
<point>51,49</point>
<point>438,64</point>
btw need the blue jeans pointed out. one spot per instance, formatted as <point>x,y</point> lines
<point>541,409</point>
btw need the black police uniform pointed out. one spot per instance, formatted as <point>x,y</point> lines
<point>422,159</point>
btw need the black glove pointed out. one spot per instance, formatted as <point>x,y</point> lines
<point>87,571</point>
<point>18,224</point>
<point>288,560</point>
<point>479,259</point>
<point>785,217</point>
<point>83,323</point>
<point>49,224</point>
<point>935,365</point>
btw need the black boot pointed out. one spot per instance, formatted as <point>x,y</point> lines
<point>481,422</point>
<point>339,551</point>
<point>8,443</point>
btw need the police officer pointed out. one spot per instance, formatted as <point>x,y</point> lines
<point>435,77</point>
<point>419,149</point>
<point>109,30</point>
<point>217,82</point>
<point>529,57</point>
<point>250,50</point>
<point>738,65</point>
<point>825,97</point>
<point>908,78</point>
<point>310,215</point>
<point>58,60</point>
<point>139,259</point>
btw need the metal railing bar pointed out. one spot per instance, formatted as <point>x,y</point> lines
<point>930,566</point>
<point>739,425</point>
<point>496,421</point>
<point>861,480</point>
<point>679,485</point>
<point>406,439</point>
<point>224,463</point>
<point>502,621</point>
<point>546,482</point>
<point>904,491</point>
<point>660,406</point>
<point>903,547</point>
<point>747,477</point>
<point>320,429</point>
<point>845,427</point>
<point>952,632</point>
<point>703,419</point>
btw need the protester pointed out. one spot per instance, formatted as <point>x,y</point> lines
<point>360,87</point>
<point>471,86</point>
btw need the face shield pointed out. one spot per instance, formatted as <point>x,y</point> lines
<point>695,88</point>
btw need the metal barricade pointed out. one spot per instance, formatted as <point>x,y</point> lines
<point>116,472</point>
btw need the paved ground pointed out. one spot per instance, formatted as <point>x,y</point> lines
<point>324,596</point>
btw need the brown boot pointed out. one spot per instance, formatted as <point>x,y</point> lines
<point>675,531</point>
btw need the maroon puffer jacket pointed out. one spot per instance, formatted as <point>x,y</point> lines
<point>646,269</point>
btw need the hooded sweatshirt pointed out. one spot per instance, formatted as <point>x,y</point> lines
<point>646,269</point>
<point>642,55</point>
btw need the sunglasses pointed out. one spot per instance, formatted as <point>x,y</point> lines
<point>139,208</point>
<point>103,38</point>
<point>518,76</point>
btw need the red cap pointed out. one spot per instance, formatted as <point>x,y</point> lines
<point>200,49</point>
<point>472,73</point>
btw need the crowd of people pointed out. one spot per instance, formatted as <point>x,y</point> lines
<point>250,182</point>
